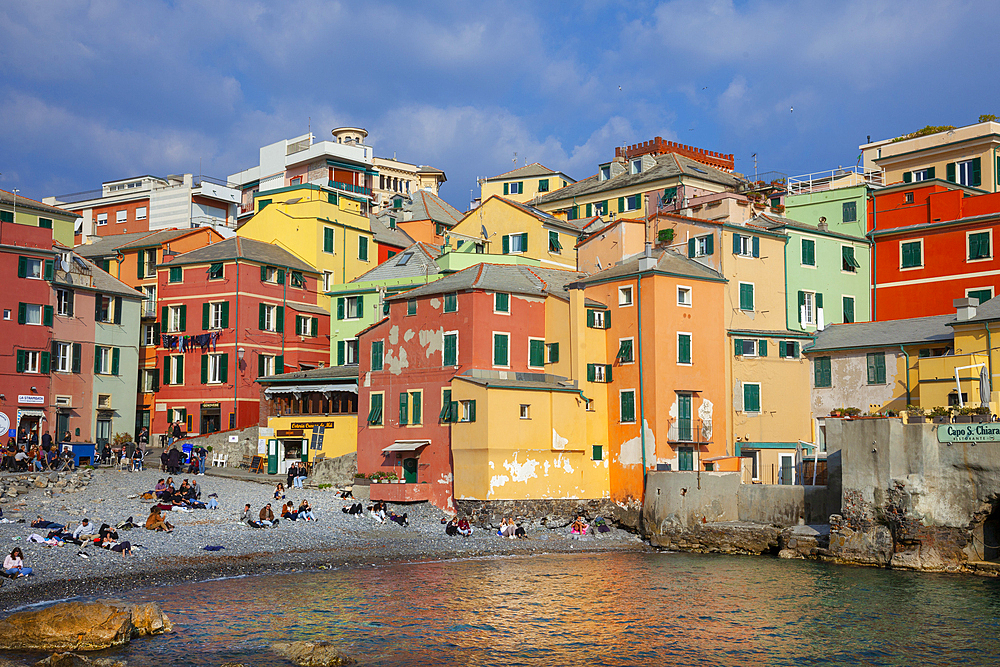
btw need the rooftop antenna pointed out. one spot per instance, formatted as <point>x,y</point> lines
<point>515,158</point>
<point>754,156</point>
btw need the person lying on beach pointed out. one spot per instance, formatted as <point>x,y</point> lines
<point>520,533</point>
<point>107,538</point>
<point>247,518</point>
<point>306,511</point>
<point>213,501</point>
<point>155,521</point>
<point>279,491</point>
<point>49,525</point>
<point>579,527</point>
<point>354,510</point>
<point>377,513</point>
<point>399,518</point>
<point>347,493</point>
<point>288,511</point>
<point>601,525</point>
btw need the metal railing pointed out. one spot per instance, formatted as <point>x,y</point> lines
<point>696,431</point>
<point>348,187</point>
<point>765,180</point>
<point>831,179</point>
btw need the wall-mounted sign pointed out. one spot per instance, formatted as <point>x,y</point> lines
<point>988,432</point>
<point>31,399</point>
<point>234,438</point>
<point>309,425</point>
<point>209,406</point>
<point>4,423</point>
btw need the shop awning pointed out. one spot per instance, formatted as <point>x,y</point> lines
<point>31,412</point>
<point>405,446</point>
<point>303,388</point>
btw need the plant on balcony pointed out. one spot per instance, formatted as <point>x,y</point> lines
<point>941,415</point>
<point>851,412</point>
<point>665,236</point>
<point>778,208</point>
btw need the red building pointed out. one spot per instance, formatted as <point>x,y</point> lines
<point>229,313</point>
<point>484,317</point>
<point>934,242</point>
<point>27,265</point>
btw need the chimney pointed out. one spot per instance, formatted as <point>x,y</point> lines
<point>647,262</point>
<point>965,309</point>
<point>823,227</point>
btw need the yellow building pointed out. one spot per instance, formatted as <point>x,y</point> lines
<point>524,184</point>
<point>501,226</point>
<point>323,227</point>
<point>24,211</point>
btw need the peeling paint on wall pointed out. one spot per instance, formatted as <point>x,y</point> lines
<point>446,478</point>
<point>521,472</point>
<point>368,378</point>
<point>564,463</point>
<point>408,336</point>
<point>435,303</point>
<point>394,335</point>
<point>396,364</point>
<point>558,442</point>
<point>498,480</point>
<point>631,450</point>
<point>432,340</point>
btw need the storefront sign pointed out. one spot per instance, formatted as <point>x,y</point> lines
<point>30,399</point>
<point>988,432</point>
<point>309,425</point>
<point>209,406</point>
<point>5,424</point>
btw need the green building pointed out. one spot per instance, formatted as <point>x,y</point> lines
<point>837,197</point>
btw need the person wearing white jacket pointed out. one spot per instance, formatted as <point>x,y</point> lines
<point>85,528</point>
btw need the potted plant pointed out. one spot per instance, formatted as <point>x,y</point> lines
<point>836,413</point>
<point>981,414</point>
<point>941,415</point>
<point>964,415</point>
<point>665,236</point>
<point>852,412</point>
<point>915,415</point>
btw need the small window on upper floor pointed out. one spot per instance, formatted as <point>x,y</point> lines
<point>625,296</point>
<point>907,197</point>
<point>683,296</point>
<point>605,172</point>
<point>636,166</point>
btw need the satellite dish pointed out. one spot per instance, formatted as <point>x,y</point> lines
<point>486,234</point>
<point>64,265</point>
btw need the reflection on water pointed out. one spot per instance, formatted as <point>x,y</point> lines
<point>599,609</point>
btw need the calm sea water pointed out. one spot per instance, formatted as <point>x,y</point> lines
<point>582,609</point>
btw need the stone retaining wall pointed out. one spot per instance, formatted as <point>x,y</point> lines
<point>219,442</point>
<point>550,513</point>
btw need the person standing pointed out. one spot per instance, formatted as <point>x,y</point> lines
<point>202,455</point>
<point>46,442</point>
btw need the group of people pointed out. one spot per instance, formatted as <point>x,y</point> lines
<point>298,472</point>
<point>129,456</point>
<point>173,460</point>
<point>186,497</point>
<point>458,525</point>
<point>28,453</point>
<point>105,537</point>
<point>265,518</point>
<point>511,530</point>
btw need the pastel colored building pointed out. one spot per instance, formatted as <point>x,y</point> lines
<point>407,219</point>
<point>524,184</point>
<point>837,198</point>
<point>934,242</point>
<point>230,313</point>
<point>23,211</point>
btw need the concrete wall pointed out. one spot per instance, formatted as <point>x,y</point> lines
<point>219,442</point>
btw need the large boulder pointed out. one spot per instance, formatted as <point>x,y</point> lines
<point>74,660</point>
<point>82,626</point>
<point>313,654</point>
<point>147,618</point>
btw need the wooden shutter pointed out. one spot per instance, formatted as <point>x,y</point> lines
<point>140,264</point>
<point>506,188</point>
<point>97,359</point>
<point>98,300</point>
<point>279,364</point>
<point>553,353</point>
<point>977,174</point>
<point>44,359</point>
<point>591,372</point>
<point>20,361</point>
<point>47,316</point>
<point>184,309</point>
<point>500,356</point>
<point>204,369</point>
<point>472,411</point>
<point>416,409</point>
<point>949,171</point>
<point>49,267</point>
<point>536,353</point>
<point>281,277</point>
<point>590,318</point>
<point>524,242</point>
<point>607,372</point>
<point>404,408</point>
<point>738,347</point>
<point>260,366</point>
<point>736,244</point>
<point>166,370</point>
<point>756,246</point>
<point>691,247</point>
<point>340,353</point>
<point>77,353</point>
<point>782,349</point>
<point>118,310</point>
<point>762,348</point>
<point>621,204</point>
<point>204,316</point>
<point>262,316</point>
<point>279,318</point>
<point>224,368</point>
<point>710,244</point>
<point>165,312</point>
<point>225,314</point>
<point>340,308</point>
<point>22,313</point>
<point>802,304</point>
<point>907,176</point>
<point>115,360</point>
<point>22,266</point>
<point>314,329</point>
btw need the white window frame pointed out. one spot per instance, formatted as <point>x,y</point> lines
<point>635,166</point>
<point>148,335</point>
<point>305,325</point>
<point>351,356</point>
<point>743,349</point>
<point>269,361</point>
<point>63,363</point>
<point>599,373</point>
<point>625,296</point>
<point>852,272</point>
<point>510,245</point>
<point>636,198</point>
<point>140,213</point>
<point>690,347</point>
<point>918,175</point>
<point>746,245</point>
<point>620,341</point>
<point>465,405</point>
<point>963,173</point>
<point>525,411</point>
<point>684,296</point>
<point>148,380</point>
<point>121,217</point>
<point>605,173</point>
<point>921,242</point>
<point>64,302</point>
<point>598,319</point>
<point>854,300</point>
<point>215,315</point>
<point>327,280</point>
<point>32,308</point>
<point>32,359</point>
<point>969,233</point>
<point>173,319</point>
<point>501,312</point>
<point>701,245</point>
<point>271,274</point>
<point>516,188</point>
<point>809,313</point>
<point>102,219</point>
<point>444,337</point>
<point>493,348</point>
<point>34,269</point>
<point>103,354</point>
<point>149,302</point>
<point>802,240</point>
<point>782,457</point>
<point>215,369</point>
<point>980,289</point>
<point>149,262</point>
<point>270,317</point>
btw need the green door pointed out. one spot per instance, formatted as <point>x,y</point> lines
<point>684,419</point>
<point>272,457</point>
<point>410,471</point>
<point>787,475</point>
<point>685,458</point>
<point>305,451</point>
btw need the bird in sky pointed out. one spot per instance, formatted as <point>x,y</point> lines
<point>791,110</point>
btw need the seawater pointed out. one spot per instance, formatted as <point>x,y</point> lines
<point>587,609</point>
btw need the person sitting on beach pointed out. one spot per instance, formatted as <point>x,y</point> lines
<point>451,528</point>
<point>464,529</point>
<point>160,487</point>
<point>301,475</point>
<point>266,516</point>
<point>247,518</point>
<point>107,538</point>
<point>288,511</point>
<point>507,528</point>
<point>68,461</point>
<point>377,512</point>
<point>137,460</point>
<point>13,565</point>
<point>196,487</point>
<point>306,511</point>
<point>292,474</point>
<point>83,530</point>
<point>155,521</point>
<point>579,527</point>
<point>21,460</point>
<point>520,533</point>
<point>279,491</point>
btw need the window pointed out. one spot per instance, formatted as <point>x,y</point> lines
<point>149,377</point>
<point>363,248</point>
<point>215,271</point>
<point>747,347</point>
<point>350,307</point>
<point>375,410</point>
<point>746,296</point>
<point>306,326</point>
<point>552,352</point>
<point>597,453</point>
<point>215,315</point>
<point>554,245</point>
<point>536,353</point>
<point>911,254</point>
<point>599,373</point>
<point>271,318</point>
<point>107,310</point>
<point>513,188</point>
<point>848,306</point>
<point>543,185</point>
<point>327,281</point>
<point>30,361</point>
<point>980,245</point>
<point>625,296</point>
<point>501,349</point>
<point>876,368</point>
<point>102,219</point>
<point>449,410</point>
<point>807,308</point>
<point>966,172</point>
<point>450,351</point>
<point>683,348</point>
<point>848,262</point>
<point>121,217</point>
<point>176,274</point>
<point>149,335</point>
<point>378,354</point>
<point>515,243</point>
<point>106,360</point>
<point>635,166</point>
<point>32,313</point>
<point>468,411</point>
<point>983,295</point>
<point>598,319</point>
<point>328,239</point>
<point>45,223</point>
<point>525,411</point>
<point>701,246</point>
<point>214,368</point>
<point>271,274</point>
<point>630,203</point>
<point>347,352</point>
<point>751,397</point>
<point>625,355</point>
<point>63,357</point>
<point>411,408</point>
<point>411,307</point>
<point>451,302</point>
<point>175,318</point>
<point>850,211</point>
<point>147,263</point>
<point>683,296</point>
<point>626,401</point>
<point>822,376</point>
<point>808,252</point>
<point>501,302</point>
<point>605,172</point>
<point>64,303</point>
<point>29,267</point>
<point>296,279</point>
<point>266,365</point>
<point>788,349</point>
<point>6,313</point>
<point>746,246</point>
<point>140,213</point>
<point>262,204</point>
<point>907,197</point>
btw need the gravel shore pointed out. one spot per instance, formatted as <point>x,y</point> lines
<point>335,540</point>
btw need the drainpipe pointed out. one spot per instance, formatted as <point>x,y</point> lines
<point>907,355</point>
<point>874,312</point>
<point>989,354</point>
<point>284,313</point>
<point>642,409</point>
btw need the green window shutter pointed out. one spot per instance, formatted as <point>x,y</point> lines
<point>20,361</point>
<point>340,353</point>
<point>117,319</point>
<point>627,406</point>
<point>176,274</point>
<point>22,265</point>
<point>821,372</point>
<point>22,313</point>
<point>506,245</point>
<point>536,353</point>
<point>49,269</point>
<point>279,319</point>
<point>115,360</point>
<point>281,277</point>
<point>524,242</point>
<point>751,398</point>
<point>607,372</point>
<point>77,354</point>
<point>165,317</point>
<point>848,310</point>
<point>47,316</point>
<point>808,252</point>
<point>850,211</point>
<point>710,244</point>
<point>756,246</point>
<point>404,408</point>
<point>416,409</point>
<point>225,314</point>
<point>44,359</point>
<point>314,329</point>
<point>472,411</point>
<point>907,176</point>
<point>375,412</point>
<point>262,315</point>
<point>746,296</point>
<point>795,350</point>
<point>140,264</point>
<point>736,244</point>
<point>872,377</point>
<point>363,248</point>
<point>783,349</point>
<point>880,368</point>
<point>450,357</point>
<point>204,316</point>
<point>298,325</point>
<point>500,357</point>
<point>949,171</point>
<point>591,372</point>
<point>340,308</point>
<point>204,369</point>
<point>503,302</point>
<point>590,210</point>
<point>327,239</point>
<point>738,347</point>
<point>224,368</point>
<point>279,364</point>
<point>590,318</point>
<point>445,406</point>
<point>691,248</point>
<point>377,348</point>
<point>97,359</point>
<point>684,349</point>
<point>554,353</point>
<point>260,367</point>
<point>762,348</point>
<point>506,188</point>
<point>607,319</point>
<point>179,361</point>
<point>166,370</point>
<point>819,300</point>
<point>930,172</point>
<point>977,173</point>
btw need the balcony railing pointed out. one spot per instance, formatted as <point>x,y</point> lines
<point>842,177</point>
<point>348,187</point>
<point>695,431</point>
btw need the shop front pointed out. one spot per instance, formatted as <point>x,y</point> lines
<point>211,418</point>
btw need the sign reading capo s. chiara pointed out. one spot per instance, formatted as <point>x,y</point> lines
<point>988,432</point>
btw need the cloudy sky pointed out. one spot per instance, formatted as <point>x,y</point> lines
<point>101,90</point>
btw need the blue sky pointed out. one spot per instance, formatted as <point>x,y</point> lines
<point>95,91</point>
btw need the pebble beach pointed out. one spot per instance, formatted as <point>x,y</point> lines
<point>336,539</point>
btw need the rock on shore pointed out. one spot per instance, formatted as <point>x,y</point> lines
<point>81,626</point>
<point>313,654</point>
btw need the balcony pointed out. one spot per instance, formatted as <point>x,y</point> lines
<point>148,310</point>
<point>400,493</point>
<point>834,179</point>
<point>690,431</point>
<point>347,187</point>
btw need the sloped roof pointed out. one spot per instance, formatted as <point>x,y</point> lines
<point>325,373</point>
<point>861,335</point>
<point>421,205</point>
<point>103,281</point>
<point>421,263</point>
<point>774,222</point>
<point>524,381</point>
<point>427,169</point>
<point>307,308</point>
<point>985,312</point>
<point>547,218</point>
<point>527,171</point>
<point>155,238</point>
<point>667,166</point>
<point>103,246</point>
<point>667,261</point>
<point>384,235</point>
<point>24,202</point>
<point>499,278</point>
<point>240,247</point>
